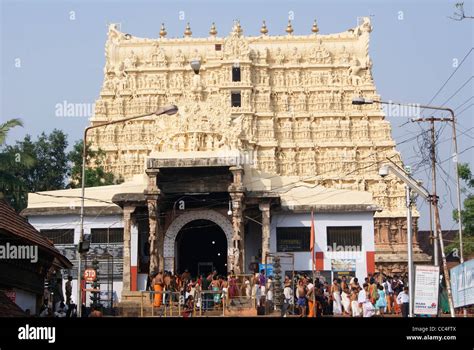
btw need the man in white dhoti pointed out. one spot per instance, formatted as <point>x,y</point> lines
<point>336,297</point>
<point>367,308</point>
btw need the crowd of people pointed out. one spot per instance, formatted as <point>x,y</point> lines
<point>212,288</point>
<point>55,305</point>
<point>345,297</point>
<point>377,295</point>
<point>302,295</point>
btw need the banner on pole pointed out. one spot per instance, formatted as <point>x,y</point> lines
<point>462,283</point>
<point>426,290</point>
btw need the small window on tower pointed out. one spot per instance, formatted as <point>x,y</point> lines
<point>235,73</point>
<point>235,99</point>
<point>218,47</point>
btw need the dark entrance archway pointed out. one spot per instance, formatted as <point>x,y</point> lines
<point>200,246</point>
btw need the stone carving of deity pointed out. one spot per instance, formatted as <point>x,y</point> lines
<point>302,101</point>
<point>131,61</point>
<point>354,72</point>
<point>364,128</point>
<point>295,56</point>
<point>179,59</point>
<point>344,56</point>
<point>209,143</point>
<point>279,57</point>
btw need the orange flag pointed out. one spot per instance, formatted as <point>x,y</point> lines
<point>311,244</point>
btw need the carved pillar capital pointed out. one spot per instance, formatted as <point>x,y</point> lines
<point>152,184</point>
<point>237,179</point>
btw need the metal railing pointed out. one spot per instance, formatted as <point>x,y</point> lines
<point>168,303</point>
<point>207,301</point>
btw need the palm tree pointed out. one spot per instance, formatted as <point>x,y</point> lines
<point>10,185</point>
<point>5,128</point>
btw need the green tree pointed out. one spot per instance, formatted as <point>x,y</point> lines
<point>467,214</point>
<point>12,186</point>
<point>45,166</point>
<point>95,172</point>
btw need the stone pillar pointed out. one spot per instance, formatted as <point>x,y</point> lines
<point>127,226</point>
<point>265,209</point>
<point>152,193</point>
<point>415,232</point>
<point>152,238</point>
<point>237,194</point>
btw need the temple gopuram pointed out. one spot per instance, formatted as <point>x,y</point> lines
<point>265,134</point>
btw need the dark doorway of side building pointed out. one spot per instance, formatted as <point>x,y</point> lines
<point>201,246</point>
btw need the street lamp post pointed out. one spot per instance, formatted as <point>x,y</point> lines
<point>169,110</point>
<point>362,101</point>
<point>410,185</point>
<point>438,236</point>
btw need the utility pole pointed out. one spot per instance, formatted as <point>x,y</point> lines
<point>434,203</point>
<point>433,181</point>
<point>458,196</point>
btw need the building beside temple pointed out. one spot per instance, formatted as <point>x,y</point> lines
<point>26,259</point>
<point>266,133</point>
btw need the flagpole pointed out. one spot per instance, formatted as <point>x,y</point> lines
<point>312,262</point>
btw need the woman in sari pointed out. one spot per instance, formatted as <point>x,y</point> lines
<point>336,296</point>
<point>233,289</point>
<point>158,287</point>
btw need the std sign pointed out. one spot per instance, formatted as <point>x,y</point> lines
<point>90,275</point>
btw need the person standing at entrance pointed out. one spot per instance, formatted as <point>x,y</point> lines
<point>301,295</point>
<point>364,301</point>
<point>288,297</point>
<point>381,302</point>
<point>68,290</point>
<point>215,288</point>
<point>311,297</point>
<point>336,297</point>
<point>404,301</point>
<point>248,289</point>
<point>158,288</point>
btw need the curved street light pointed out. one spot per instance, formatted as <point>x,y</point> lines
<point>168,110</point>
<point>433,199</point>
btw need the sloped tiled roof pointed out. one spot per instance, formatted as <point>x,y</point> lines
<point>18,226</point>
<point>8,308</point>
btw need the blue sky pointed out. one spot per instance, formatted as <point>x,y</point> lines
<point>47,57</point>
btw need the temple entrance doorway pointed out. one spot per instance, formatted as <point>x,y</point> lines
<point>201,246</point>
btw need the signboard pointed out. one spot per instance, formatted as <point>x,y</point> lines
<point>426,290</point>
<point>462,284</point>
<point>347,274</point>
<point>90,275</point>
<point>343,264</point>
<point>268,269</point>
<point>293,239</point>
